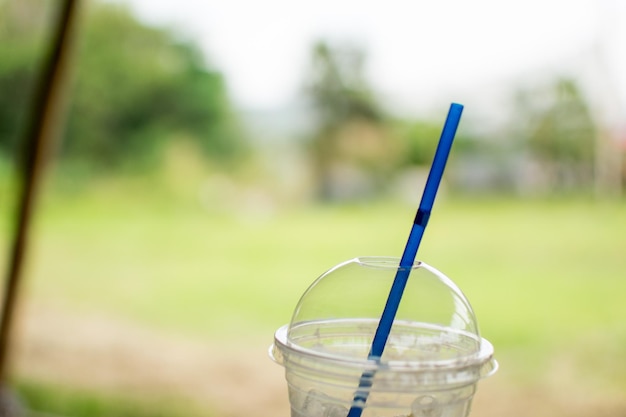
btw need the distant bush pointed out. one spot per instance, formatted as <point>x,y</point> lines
<point>135,88</point>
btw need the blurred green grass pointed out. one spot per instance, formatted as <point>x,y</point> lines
<point>544,276</point>
<point>74,401</point>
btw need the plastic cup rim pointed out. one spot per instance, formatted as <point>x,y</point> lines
<point>481,359</point>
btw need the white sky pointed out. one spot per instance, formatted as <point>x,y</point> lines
<point>418,51</point>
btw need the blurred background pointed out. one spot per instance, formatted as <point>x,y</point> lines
<point>218,156</point>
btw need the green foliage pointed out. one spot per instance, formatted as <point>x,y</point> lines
<point>136,88</point>
<point>337,86</point>
<point>421,138</point>
<point>565,130</point>
<point>556,125</point>
<point>350,123</point>
<point>21,44</point>
<point>418,139</point>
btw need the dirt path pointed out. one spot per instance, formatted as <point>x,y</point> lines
<point>103,353</point>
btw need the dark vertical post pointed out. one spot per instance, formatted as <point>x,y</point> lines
<point>45,117</point>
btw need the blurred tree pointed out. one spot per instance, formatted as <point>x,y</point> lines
<point>559,130</point>
<point>420,138</point>
<point>136,87</point>
<point>22,29</point>
<point>350,135</point>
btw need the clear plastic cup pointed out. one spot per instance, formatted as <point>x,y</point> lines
<point>432,361</point>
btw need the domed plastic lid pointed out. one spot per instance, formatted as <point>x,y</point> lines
<point>337,316</point>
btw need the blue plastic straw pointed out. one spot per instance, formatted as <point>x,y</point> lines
<point>408,257</point>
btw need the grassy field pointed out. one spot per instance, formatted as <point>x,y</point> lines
<point>546,278</point>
